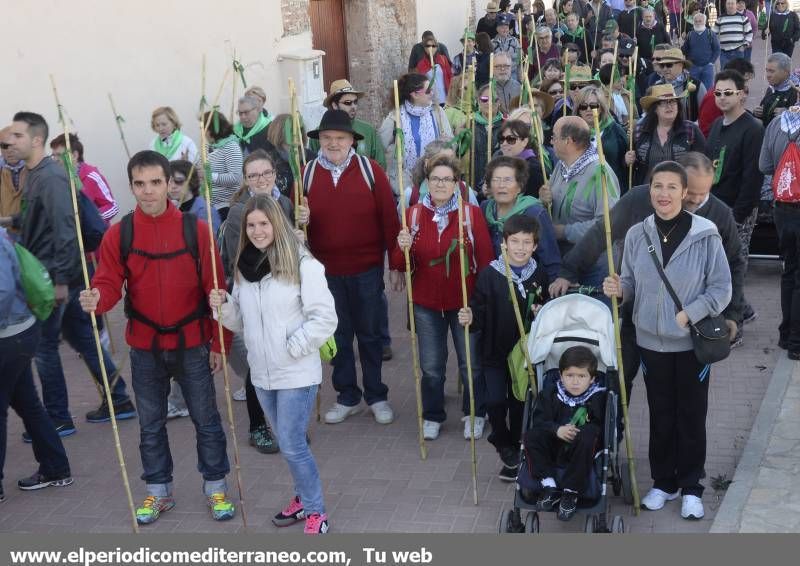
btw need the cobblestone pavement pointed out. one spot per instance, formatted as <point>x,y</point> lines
<point>374,480</point>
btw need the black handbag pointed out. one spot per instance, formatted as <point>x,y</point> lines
<point>710,337</point>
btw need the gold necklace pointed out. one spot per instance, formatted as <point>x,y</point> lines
<point>665,236</point>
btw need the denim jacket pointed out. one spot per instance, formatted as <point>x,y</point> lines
<point>13,308</point>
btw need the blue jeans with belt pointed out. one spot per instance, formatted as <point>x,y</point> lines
<point>360,310</point>
<point>288,410</point>
<point>151,373</point>
<point>18,392</point>
<point>76,326</point>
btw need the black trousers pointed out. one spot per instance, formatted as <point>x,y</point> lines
<point>631,360</point>
<point>254,410</point>
<point>787,222</point>
<point>504,410</point>
<point>677,394</point>
<point>546,452</point>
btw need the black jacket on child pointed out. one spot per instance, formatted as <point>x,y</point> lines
<point>493,312</point>
<point>550,412</point>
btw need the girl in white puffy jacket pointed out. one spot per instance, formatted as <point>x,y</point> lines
<point>282,304</point>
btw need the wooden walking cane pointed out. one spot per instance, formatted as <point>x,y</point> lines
<point>119,121</point>
<point>471,120</point>
<point>463,267</point>
<point>92,316</point>
<point>233,91</point>
<point>623,394</point>
<point>611,80</point>
<point>398,144</point>
<point>632,95</point>
<point>520,325</point>
<point>538,58</point>
<point>491,116</point>
<point>539,129</point>
<point>586,40</point>
<point>212,247</point>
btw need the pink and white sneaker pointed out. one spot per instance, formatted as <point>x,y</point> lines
<point>316,524</point>
<point>291,514</point>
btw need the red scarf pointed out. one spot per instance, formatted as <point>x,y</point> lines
<point>425,65</point>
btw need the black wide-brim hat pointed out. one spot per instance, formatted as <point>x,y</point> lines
<point>337,120</point>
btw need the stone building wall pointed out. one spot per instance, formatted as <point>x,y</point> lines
<point>295,17</point>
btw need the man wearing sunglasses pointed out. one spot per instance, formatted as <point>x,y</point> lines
<point>419,51</point>
<point>12,179</point>
<point>344,97</point>
<point>733,145</point>
<point>671,66</point>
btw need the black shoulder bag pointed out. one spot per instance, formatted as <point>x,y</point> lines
<point>710,337</point>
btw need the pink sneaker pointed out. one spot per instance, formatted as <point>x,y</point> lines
<point>291,514</point>
<point>316,524</point>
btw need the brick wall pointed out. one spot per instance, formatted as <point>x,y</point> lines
<point>380,35</point>
<point>295,17</point>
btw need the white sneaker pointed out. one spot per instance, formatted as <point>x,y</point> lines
<point>430,430</point>
<point>655,499</point>
<point>692,507</point>
<point>339,413</point>
<point>479,422</point>
<point>383,412</point>
<point>174,412</point>
<point>240,395</point>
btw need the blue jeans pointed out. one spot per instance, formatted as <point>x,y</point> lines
<point>150,374</point>
<point>725,56</point>
<point>18,392</point>
<point>359,309</point>
<point>704,74</point>
<point>288,410</point>
<point>432,327</point>
<point>76,327</point>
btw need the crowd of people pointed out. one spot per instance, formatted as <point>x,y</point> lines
<point>501,165</point>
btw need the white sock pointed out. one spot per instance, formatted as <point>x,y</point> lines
<point>548,482</point>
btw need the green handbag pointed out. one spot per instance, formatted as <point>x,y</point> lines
<point>39,292</point>
<point>517,368</point>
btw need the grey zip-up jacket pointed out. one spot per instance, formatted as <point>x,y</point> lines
<point>48,225</point>
<point>698,271</point>
<point>635,206</point>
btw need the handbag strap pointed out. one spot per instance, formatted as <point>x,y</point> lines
<point>652,250</point>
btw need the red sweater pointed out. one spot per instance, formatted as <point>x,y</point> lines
<point>708,112</point>
<point>351,227</point>
<point>433,288</point>
<point>165,291</point>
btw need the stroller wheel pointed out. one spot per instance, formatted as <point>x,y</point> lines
<point>532,523</point>
<point>591,524</point>
<point>625,484</point>
<point>617,524</point>
<point>511,522</point>
<point>616,484</point>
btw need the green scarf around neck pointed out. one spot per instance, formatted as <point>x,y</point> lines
<point>223,142</point>
<point>260,124</point>
<point>522,203</point>
<point>483,121</point>
<point>168,150</point>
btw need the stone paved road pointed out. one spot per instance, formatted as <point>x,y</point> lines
<point>373,478</point>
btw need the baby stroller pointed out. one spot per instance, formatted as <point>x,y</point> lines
<point>573,320</point>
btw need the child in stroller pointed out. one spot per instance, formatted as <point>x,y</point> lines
<point>567,431</point>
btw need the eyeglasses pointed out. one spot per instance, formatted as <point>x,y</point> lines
<point>485,99</point>
<point>669,102</point>
<point>574,86</point>
<point>252,177</point>
<point>5,145</point>
<point>589,106</point>
<point>508,139</point>
<point>349,102</point>
<point>502,180</point>
<point>726,93</point>
<point>441,181</point>
<point>502,66</point>
<point>666,65</point>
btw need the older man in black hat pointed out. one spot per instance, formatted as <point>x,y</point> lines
<point>353,222</point>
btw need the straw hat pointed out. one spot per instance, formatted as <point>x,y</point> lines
<point>547,101</point>
<point>581,74</point>
<point>492,7</point>
<point>674,55</point>
<point>341,86</point>
<point>659,93</point>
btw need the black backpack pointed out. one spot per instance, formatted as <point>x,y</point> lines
<point>191,247</point>
<point>93,227</point>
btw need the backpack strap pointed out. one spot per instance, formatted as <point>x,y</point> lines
<point>414,197</point>
<point>414,226</point>
<point>308,174</point>
<point>190,240</point>
<point>366,171</point>
<point>125,240</point>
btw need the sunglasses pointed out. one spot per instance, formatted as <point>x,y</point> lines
<point>349,102</point>
<point>574,86</point>
<point>485,99</point>
<point>507,139</point>
<point>665,65</point>
<point>430,46</point>
<point>589,106</point>
<point>726,93</point>
<point>5,145</point>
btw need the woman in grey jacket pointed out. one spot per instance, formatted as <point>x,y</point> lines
<point>690,250</point>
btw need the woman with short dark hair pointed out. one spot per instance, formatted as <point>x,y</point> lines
<point>515,141</point>
<point>689,250</point>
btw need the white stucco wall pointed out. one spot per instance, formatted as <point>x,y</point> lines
<point>147,53</point>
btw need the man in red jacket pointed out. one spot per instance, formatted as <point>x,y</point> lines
<point>353,222</point>
<point>167,278</point>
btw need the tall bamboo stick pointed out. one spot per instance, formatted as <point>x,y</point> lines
<point>615,313</point>
<point>118,119</point>
<point>611,80</point>
<point>92,316</point>
<point>464,269</point>
<point>491,116</point>
<point>233,90</point>
<point>471,122</point>
<point>520,325</point>
<point>632,74</point>
<point>398,144</point>
<point>226,377</point>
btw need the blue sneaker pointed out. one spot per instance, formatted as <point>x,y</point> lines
<point>122,412</point>
<point>63,429</point>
